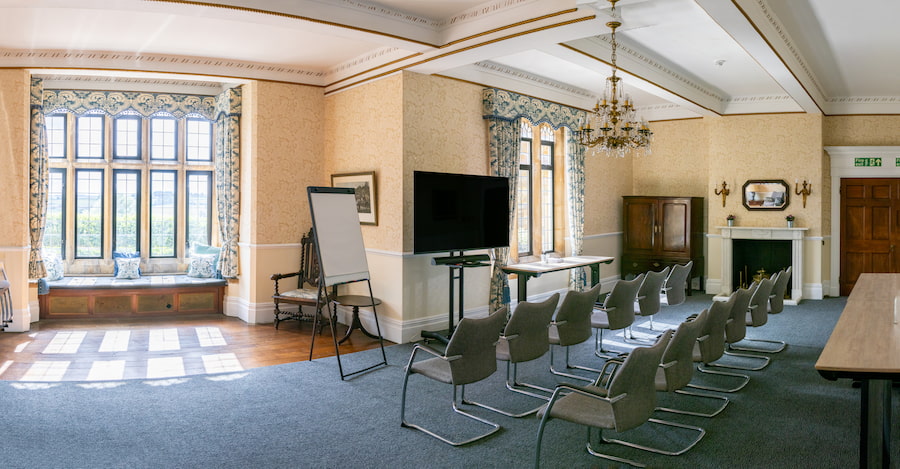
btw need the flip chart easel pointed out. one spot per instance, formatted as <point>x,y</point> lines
<point>342,255</point>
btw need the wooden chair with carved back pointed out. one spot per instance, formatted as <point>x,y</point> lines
<point>306,292</point>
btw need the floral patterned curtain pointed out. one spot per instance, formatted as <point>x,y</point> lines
<point>503,109</point>
<point>575,206</point>
<point>228,177</point>
<point>39,182</point>
<point>504,153</point>
<point>115,102</point>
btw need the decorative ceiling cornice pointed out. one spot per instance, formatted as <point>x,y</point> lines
<point>651,63</point>
<point>158,63</point>
<point>759,99</point>
<point>863,100</point>
<point>763,5</point>
<point>522,75</point>
<point>481,10</point>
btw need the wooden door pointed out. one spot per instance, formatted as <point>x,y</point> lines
<point>640,225</point>
<point>870,233</point>
<point>674,225</point>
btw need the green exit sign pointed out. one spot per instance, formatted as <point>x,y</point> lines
<point>897,162</point>
<point>869,162</point>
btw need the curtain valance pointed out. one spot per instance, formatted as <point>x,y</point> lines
<point>506,105</point>
<point>145,104</point>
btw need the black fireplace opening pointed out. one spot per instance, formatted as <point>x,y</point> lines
<point>758,258</point>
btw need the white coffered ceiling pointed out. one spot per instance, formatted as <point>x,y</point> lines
<point>680,58</point>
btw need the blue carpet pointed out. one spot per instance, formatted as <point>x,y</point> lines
<point>303,415</point>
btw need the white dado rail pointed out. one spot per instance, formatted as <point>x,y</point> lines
<point>794,235</point>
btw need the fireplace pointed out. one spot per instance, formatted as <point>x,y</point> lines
<point>753,259</point>
<point>780,248</point>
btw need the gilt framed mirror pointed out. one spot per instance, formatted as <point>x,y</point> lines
<point>766,194</point>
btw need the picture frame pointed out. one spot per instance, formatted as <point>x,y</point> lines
<point>766,194</point>
<point>366,195</point>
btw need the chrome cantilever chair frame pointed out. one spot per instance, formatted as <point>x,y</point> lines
<point>677,368</point>
<point>736,330</point>
<point>647,302</point>
<point>617,311</point>
<point>626,403</point>
<point>711,346</point>
<point>572,326</point>
<point>525,338</point>
<point>757,316</point>
<point>462,352</point>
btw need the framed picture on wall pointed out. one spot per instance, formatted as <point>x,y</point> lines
<point>766,194</point>
<point>366,197</point>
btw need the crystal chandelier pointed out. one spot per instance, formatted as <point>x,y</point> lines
<point>618,129</point>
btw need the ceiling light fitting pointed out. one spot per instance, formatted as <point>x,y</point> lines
<point>620,130</point>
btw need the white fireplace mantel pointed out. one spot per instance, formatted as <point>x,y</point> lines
<point>794,235</point>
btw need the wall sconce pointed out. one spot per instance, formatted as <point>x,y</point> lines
<point>725,192</point>
<point>806,191</point>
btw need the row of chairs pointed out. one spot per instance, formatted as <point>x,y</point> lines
<point>477,345</point>
<point>530,332</point>
<point>624,396</point>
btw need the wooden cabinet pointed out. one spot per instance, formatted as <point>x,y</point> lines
<point>662,231</point>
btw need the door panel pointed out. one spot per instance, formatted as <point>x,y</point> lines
<point>641,219</point>
<point>675,227</point>
<point>869,228</point>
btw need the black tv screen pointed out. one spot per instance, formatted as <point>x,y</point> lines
<point>459,212</point>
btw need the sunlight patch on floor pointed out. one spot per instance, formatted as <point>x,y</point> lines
<point>115,341</point>
<point>166,367</point>
<point>65,342</point>
<point>164,339</point>
<point>46,371</point>
<point>221,363</point>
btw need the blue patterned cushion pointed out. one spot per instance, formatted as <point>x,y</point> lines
<point>203,266</point>
<point>118,255</point>
<point>128,267</point>
<point>54,267</point>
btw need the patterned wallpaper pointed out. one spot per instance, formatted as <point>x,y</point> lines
<point>772,146</point>
<point>680,154</point>
<point>363,131</point>
<point>607,179</point>
<point>14,141</point>
<point>429,144</point>
<point>287,141</point>
<point>861,130</point>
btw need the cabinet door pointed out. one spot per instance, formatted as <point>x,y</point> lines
<point>640,225</point>
<point>674,226</point>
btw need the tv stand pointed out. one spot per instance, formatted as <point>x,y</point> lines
<point>456,263</point>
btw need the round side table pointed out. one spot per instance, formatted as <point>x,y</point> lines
<point>356,302</point>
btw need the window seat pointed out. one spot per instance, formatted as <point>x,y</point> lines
<point>150,295</point>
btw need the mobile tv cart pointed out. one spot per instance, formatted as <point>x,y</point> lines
<point>457,263</point>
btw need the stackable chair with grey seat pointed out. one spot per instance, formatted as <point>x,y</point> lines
<point>6,307</point>
<point>758,315</point>
<point>572,326</point>
<point>648,298</point>
<point>677,367</point>
<point>625,402</point>
<point>711,345</point>
<point>616,312</point>
<point>736,330</point>
<point>776,299</point>
<point>673,291</point>
<point>525,338</point>
<point>470,357</point>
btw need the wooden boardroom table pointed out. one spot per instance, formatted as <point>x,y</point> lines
<point>536,269</point>
<point>865,346</point>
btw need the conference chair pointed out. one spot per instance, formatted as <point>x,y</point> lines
<point>648,298</point>
<point>470,357</point>
<point>616,312</point>
<point>776,300</point>
<point>757,315</point>
<point>572,326</point>
<point>736,330</point>
<point>6,308</point>
<point>677,367</point>
<point>626,401</point>
<point>524,338</point>
<point>711,345</point>
<point>673,291</point>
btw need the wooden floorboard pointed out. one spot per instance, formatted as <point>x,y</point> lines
<point>161,347</point>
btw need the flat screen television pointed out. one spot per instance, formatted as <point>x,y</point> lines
<point>459,212</point>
